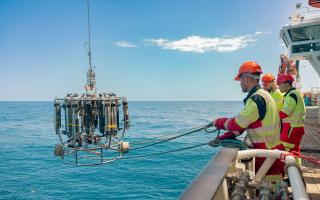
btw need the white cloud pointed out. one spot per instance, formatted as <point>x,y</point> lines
<point>125,44</point>
<point>200,44</point>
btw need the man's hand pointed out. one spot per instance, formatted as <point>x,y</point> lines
<point>214,122</point>
<point>219,123</point>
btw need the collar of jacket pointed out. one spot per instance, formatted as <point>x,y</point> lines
<point>253,90</point>
<point>293,88</point>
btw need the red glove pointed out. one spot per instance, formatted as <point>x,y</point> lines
<point>219,123</point>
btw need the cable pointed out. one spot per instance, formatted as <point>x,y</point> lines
<point>225,143</point>
<point>171,138</point>
<point>231,143</point>
<point>164,152</point>
<point>89,31</point>
<point>166,136</point>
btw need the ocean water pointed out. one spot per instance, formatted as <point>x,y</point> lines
<point>29,170</point>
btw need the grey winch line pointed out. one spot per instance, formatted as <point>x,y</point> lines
<point>166,136</point>
<point>223,143</point>
<point>177,136</point>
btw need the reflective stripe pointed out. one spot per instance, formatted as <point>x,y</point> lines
<point>286,110</point>
<point>265,129</point>
<point>270,141</point>
<point>242,120</point>
<point>287,145</point>
<point>226,123</point>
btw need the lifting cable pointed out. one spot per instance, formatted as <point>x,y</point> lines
<point>231,143</point>
<point>205,128</point>
<point>164,152</point>
<point>166,136</point>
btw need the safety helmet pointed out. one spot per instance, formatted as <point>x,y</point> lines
<point>283,78</point>
<point>267,78</point>
<point>248,67</point>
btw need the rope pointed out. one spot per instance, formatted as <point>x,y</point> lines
<point>225,143</point>
<point>296,154</point>
<point>164,152</point>
<point>172,138</point>
<point>166,136</point>
<point>311,159</point>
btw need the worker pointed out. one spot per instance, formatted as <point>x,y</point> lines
<point>269,84</point>
<point>259,117</point>
<point>292,115</point>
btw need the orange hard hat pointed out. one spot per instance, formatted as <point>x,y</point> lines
<point>283,78</point>
<point>248,67</point>
<point>267,78</point>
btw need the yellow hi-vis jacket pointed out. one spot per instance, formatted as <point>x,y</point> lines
<point>278,98</point>
<point>261,119</point>
<point>294,107</point>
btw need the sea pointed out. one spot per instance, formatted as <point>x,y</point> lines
<point>29,170</point>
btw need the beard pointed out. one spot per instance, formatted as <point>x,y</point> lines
<point>244,89</point>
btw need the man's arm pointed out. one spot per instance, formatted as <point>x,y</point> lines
<point>238,124</point>
<point>288,107</point>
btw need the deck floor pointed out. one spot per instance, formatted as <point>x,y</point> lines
<point>311,140</point>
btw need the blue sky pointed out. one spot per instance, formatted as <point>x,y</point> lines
<point>142,49</point>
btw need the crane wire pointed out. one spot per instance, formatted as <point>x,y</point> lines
<point>89,31</point>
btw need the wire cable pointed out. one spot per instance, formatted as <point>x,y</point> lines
<point>172,138</point>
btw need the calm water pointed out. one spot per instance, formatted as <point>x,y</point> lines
<point>29,170</point>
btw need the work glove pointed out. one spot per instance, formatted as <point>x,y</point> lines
<point>219,123</point>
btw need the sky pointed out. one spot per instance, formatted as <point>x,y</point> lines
<point>158,50</point>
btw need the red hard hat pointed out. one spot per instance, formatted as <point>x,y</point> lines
<point>248,67</point>
<point>314,3</point>
<point>267,78</point>
<point>282,78</point>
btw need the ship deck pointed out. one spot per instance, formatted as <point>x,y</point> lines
<point>207,184</point>
<point>311,141</point>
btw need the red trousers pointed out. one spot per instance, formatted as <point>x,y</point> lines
<point>291,137</point>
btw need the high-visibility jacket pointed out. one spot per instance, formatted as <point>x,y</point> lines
<point>294,108</point>
<point>278,98</point>
<point>261,120</point>
<point>292,115</point>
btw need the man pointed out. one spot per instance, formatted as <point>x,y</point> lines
<point>269,84</point>
<point>292,114</point>
<point>259,117</point>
